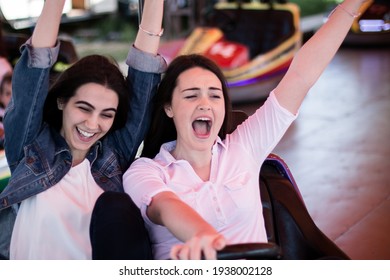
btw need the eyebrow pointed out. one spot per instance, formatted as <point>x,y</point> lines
<point>93,107</point>
<point>195,88</point>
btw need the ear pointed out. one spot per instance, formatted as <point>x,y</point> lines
<point>168,110</point>
<point>60,104</point>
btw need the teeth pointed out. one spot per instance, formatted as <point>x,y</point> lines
<point>203,119</point>
<point>84,133</point>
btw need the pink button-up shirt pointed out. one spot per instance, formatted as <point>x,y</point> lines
<point>230,200</point>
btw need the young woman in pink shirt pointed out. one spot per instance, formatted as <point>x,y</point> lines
<point>200,191</point>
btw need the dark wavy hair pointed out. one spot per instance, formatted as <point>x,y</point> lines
<point>162,128</point>
<point>90,69</point>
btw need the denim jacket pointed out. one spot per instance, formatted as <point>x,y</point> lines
<point>38,155</point>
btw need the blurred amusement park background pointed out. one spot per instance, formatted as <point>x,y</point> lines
<point>252,41</point>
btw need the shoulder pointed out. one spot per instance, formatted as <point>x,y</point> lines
<point>144,163</point>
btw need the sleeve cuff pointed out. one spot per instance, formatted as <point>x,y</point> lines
<point>147,199</point>
<point>146,62</point>
<point>41,57</point>
<point>281,108</point>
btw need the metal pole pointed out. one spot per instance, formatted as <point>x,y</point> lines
<point>140,9</point>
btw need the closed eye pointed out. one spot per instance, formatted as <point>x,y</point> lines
<point>85,109</point>
<point>84,106</point>
<point>190,96</point>
<point>190,93</point>
<point>217,94</point>
<point>108,115</point>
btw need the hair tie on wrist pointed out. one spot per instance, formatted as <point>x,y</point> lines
<point>354,15</point>
<point>151,33</point>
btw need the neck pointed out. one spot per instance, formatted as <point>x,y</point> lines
<point>77,158</point>
<point>76,162</point>
<point>200,161</point>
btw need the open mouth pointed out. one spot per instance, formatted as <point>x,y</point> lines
<point>85,134</point>
<point>202,126</point>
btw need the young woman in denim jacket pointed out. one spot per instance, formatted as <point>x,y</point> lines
<point>68,144</point>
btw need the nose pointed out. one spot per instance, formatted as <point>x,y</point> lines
<point>92,122</point>
<point>204,108</point>
<point>204,104</point>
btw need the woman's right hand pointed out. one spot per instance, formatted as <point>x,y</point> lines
<point>201,246</point>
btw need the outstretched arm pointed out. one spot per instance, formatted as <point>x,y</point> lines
<point>186,224</point>
<point>46,30</point>
<point>312,59</point>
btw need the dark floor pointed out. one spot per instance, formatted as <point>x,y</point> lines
<point>338,150</point>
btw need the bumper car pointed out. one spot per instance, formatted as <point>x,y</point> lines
<point>372,27</point>
<point>291,232</point>
<point>252,42</point>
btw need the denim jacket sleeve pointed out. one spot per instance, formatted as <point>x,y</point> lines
<point>144,75</point>
<point>30,85</point>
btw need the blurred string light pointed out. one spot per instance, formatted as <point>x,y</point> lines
<point>367,25</point>
<point>373,25</point>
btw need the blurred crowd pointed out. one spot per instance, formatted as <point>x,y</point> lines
<point>5,84</point>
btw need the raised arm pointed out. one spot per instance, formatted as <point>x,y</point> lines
<point>312,59</point>
<point>46,30</point>
<point>144,75</point>
<point>150,29</point>
<point>30,83</point>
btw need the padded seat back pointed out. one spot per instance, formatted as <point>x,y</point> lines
<point>287,220</point>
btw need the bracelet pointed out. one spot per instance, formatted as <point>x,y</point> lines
<point>354,15</point>
<point>159,34</point>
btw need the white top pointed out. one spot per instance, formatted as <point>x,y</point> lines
<point>54,224</point>
<point>230,200</point>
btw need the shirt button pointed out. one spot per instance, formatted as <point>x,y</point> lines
<point>103,179</point>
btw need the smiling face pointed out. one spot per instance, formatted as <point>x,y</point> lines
<point>87,117</point>
<point>197,109</point>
